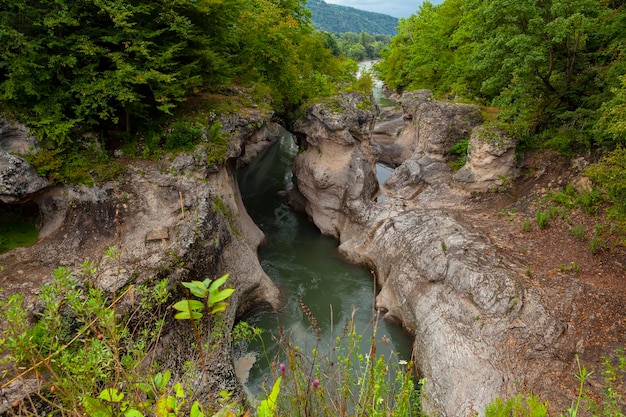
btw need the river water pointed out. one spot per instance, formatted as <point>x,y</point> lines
<point>308,269</point>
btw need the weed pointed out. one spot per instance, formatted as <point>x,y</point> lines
<point>526,226</point>
<point>578,231</point>
<point>542,219</point>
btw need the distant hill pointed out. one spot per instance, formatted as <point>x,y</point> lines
<point>339,19</point>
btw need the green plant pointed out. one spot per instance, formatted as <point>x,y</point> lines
<point>578,231</point>
<point>79,341</point>
<point>542,219</point>
<point>342,380</point>
<point>522,406</point>
<point>526,226</point>
<point>459,149</point>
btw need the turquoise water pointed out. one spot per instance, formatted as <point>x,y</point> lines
<point>308,268</point>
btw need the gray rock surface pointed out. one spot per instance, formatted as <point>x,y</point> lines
<point>17,178</point>
<point>490,160</point>
<point>465,303</point>
<point>431,127</point>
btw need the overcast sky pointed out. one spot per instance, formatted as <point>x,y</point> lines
<point>396,8</point>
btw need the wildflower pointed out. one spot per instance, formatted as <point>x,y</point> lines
<point>402,362</point>
<point>282,369</point>
<point>316,383</point>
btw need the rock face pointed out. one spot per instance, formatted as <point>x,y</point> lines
<point>490,160</point>
<point>17,178</point>
<point>465,302</point>
<point>431,127</point>
<point>180,220</point>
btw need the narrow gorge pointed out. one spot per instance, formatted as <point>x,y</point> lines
<point>481,327</point>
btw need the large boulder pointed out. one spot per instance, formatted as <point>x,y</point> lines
<point>491,161</point>
<point>431,127</point>
<point>334,173</point>
<point>17,178</point>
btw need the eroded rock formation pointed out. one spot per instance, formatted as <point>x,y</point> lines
<point>181,220</point>
<point>475,323</point>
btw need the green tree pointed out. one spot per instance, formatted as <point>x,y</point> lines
<point>66,65</point>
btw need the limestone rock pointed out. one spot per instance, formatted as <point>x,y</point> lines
<point>464,301</point>
<point>213,235</point>
<point>17,179</point>
<point>490,160</point>
<point>428,125</point>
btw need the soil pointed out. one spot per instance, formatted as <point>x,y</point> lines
<point>586,291</point>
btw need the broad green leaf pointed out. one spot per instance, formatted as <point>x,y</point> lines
<point>161,380</point>
<point>187,305</point>
<point>96,408</point>
<point>267,408</point>
<point>197,288</point>
<point>160,409</point>
<point>219,307</point>
<point>111,395</point>
<point>187,315</point>
<point>133,413</point>
<point>196,410</point>
<point>178,389</point>
<point>216,284</point>
<point>221,295</point>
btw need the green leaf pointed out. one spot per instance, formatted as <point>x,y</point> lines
<point>111,395</point>
<point>219,307</point>
<point>178,389</point>
<point>221,295</point>
<point>95,408</point>
<point>197,288</point>
<point>216,284</point>
<point>161,380</point>
<point>196,410</point>
<point>188,315</point>
<point>267,408</point>
<point>188,305</point>
<point>133,413</point>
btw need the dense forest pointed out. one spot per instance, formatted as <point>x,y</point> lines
<point>71,67</point>
<point>553,70</point>
<point>339,19</point>
<point>360,46</point>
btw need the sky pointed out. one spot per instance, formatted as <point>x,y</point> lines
<point>395,8</point>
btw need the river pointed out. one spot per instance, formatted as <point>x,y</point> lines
<point>308,269</point>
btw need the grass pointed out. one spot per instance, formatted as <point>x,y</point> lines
<point>17,234</point>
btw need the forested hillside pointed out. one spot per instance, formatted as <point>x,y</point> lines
<point>339,19</point>
<point>552,73</point>
<point>70,67</point>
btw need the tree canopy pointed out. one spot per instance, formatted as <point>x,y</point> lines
<point>68,66</point>
<point>553,66</point>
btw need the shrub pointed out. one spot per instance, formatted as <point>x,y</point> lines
<point>610,175</point>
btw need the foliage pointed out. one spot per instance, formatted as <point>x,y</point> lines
<point>207,290</point>
<point>529,406</point>
<point>610,175</point>
<point>459,149</point>
<point>117,68</point>
<point>340,19</point>
<point>344,381</point>
<point>78,340</point>
<point>360,46</point>
<point>554,67</point>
